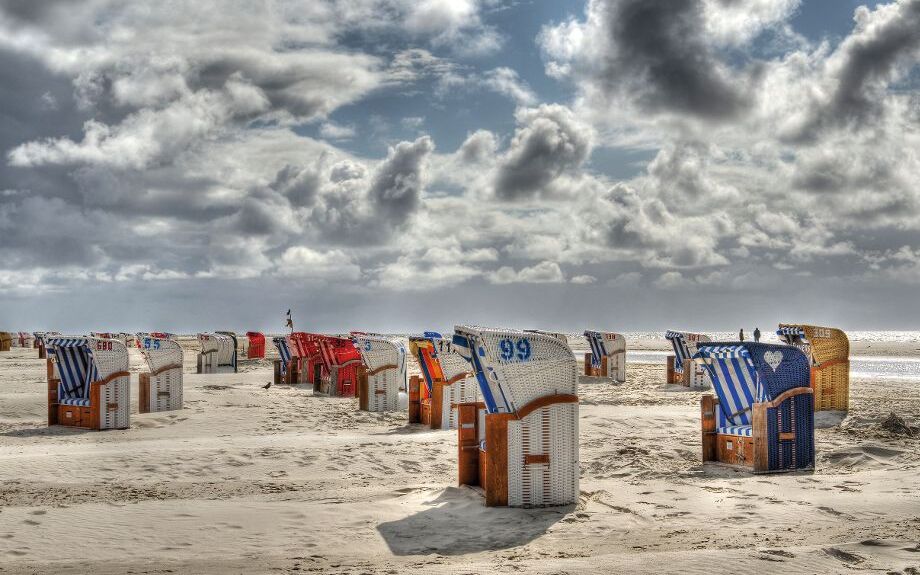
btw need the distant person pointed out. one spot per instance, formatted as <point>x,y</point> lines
<point>757,335</point>
<point>741,335</point>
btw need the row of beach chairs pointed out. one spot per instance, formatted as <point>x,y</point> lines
<point>511,396</point>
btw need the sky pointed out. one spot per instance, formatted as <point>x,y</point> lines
<point>406,165</point>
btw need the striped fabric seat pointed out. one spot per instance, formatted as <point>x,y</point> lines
<point>736,382</point>
<point>76,369</point>
<point>74,401</point>
<point>741,430</point>
<point>792,330</point>
<point>598,350</point>
<point>284,351</point>
<point>681,349</point>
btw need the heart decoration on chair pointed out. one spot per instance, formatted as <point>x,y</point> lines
<point>773,358</point>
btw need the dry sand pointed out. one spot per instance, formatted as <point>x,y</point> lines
<point>246,480</point>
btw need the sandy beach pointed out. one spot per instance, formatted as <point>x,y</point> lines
<point>247,480</point>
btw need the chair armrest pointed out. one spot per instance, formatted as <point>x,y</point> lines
<point>786,395</point>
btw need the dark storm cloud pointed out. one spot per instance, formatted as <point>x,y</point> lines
<point>548,143</point>
<point>397,187</point>
<point>885,43</point>
<point>299,186</point>
<point>659,54</point>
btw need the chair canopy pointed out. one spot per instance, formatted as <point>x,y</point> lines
<point>604,344</point>
<point>160,352</point>
<point>337,351</point>
<point>83,360</point>
<point>286,350</point>
<point>743,373</point>
<point>516,367</point>
<point>379,351</point>
<point>680,341</point>
<point>222,343</point>
<point>437,358</point>
<point>821,344</point>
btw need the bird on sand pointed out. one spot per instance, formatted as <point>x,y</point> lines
<point>267,385</point>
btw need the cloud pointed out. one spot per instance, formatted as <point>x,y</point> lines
<point>543,272</point>
<point>549,142</point>
<point>333,131</point>
<point>506,81</point>
<point>655,55</point>
<point>583,279</point>
<point>304,262</point>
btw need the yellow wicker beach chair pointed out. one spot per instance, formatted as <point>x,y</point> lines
<point>829,351</point>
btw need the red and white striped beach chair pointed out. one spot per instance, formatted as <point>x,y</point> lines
<point>339,364</point>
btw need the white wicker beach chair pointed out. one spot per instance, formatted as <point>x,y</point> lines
<point>521,443</point>
<point>88,383</point>
<point>161,389</point>
<point>218,353</point>
<point>682,368</point>
<point>385,360</point>
<point>446,381</point>
<point>608,355</point>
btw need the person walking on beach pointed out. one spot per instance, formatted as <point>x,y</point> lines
<point>741,335</point>
<point>756,335</point>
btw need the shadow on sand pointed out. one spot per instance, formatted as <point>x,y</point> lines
<point>46,431</point>
<point>457,522</point>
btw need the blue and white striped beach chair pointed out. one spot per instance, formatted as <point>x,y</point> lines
<point>521,443</point>
<point>88,382</point>
<point>762,413</point>
<point>286,370</point>
<point>681,368</point>
<point>607,357</point>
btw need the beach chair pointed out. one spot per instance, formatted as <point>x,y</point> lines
<point>256,345</point>
<point>88,383</point>
<point>291,368</point>
<point>218,353</point>
<point>607,357</point>
<point>6,341</point>
<point>39,342</point>
<point>762,413</point>
<point>311,361</point>
<point>161,388</point>
<point>682,369</point>
<point>446,382</point>
<point>828,350</point>
<point>338,367</point>
<point>520,444</point>
<point>385,374</point>
<point>25,339</point>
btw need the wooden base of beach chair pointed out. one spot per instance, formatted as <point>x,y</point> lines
<point>831,384</point>
<point>42,352</point>
<point>750,452</point>
<point>592,371</point>
<point>672,376</point>
<point>419,409</point>
<point>84,417</point>
<point>292,375</point>
<point>488,468</point>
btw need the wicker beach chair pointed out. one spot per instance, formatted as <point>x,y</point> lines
<point>218,353</point>
<point>520,444</point>
<point>446,382</point>
<point>682,369</point>
<point>161,388</point>
<point>338,366</point>
<point>88,383</point>
<point>828,350</point>
<point>385,373</point>
<point>762,415</point>
<point>25,339</point>
<point>256,349</point>
<point>607,357</point>
<point>292,367</point>
<point>6,341</point>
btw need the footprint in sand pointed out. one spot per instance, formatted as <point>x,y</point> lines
<point>841,555</point>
